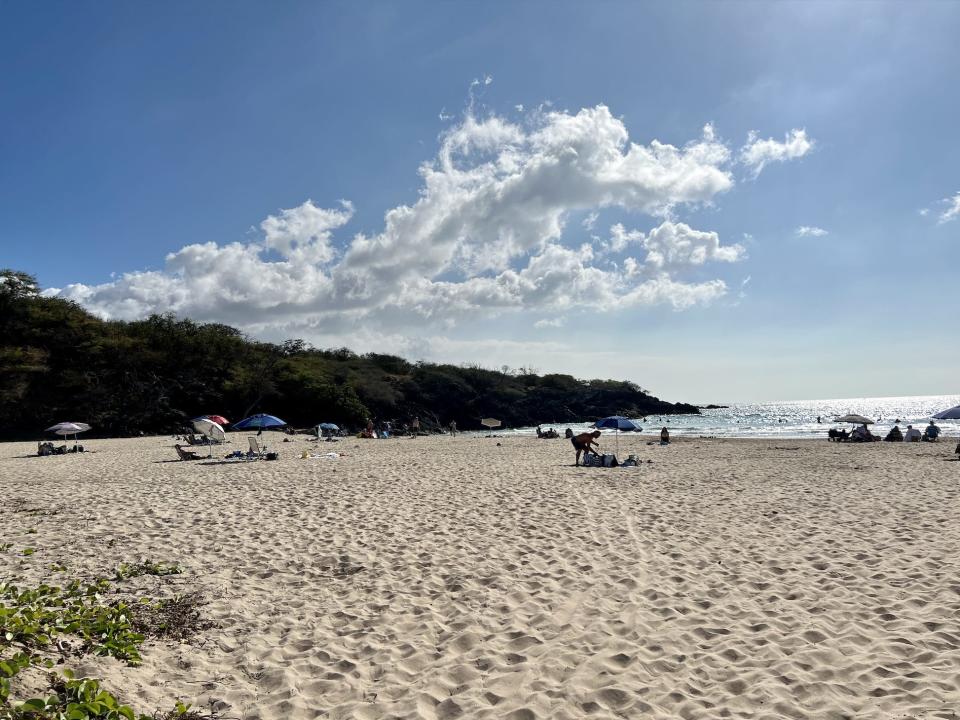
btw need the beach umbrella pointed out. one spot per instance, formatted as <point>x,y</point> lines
<point>209,429</point>
<point>327,426</point>
<point>618,423</point>
<point>951,414</point>
<point>858,419</point>
<point>259,421</point>
<point>218,419</point>
<point>491,423</point>
<point>68,428</point>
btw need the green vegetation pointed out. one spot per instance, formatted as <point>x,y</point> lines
<point>74,620</point>
<point>59,362</point>
<point>145,567</point>
<point>83,699</point>
<point>72,699</point>
<point>33,619</point>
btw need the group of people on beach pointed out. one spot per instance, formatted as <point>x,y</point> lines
<point>862,434</point>
<point>387,429</point>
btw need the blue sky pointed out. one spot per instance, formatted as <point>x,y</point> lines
<point>479,182</point>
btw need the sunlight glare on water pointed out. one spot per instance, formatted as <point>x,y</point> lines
<point>790,419</point>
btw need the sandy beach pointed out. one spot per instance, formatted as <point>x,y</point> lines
<point>450,577</point>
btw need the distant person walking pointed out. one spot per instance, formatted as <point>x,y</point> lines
<point>582,444</point>
<point>453,427</point>
<point>415,427</point>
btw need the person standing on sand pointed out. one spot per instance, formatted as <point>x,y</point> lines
<point>453,427</point>
<point>415,427</point>
<point>582,444</point>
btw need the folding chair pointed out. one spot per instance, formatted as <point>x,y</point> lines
<point>256,448</point>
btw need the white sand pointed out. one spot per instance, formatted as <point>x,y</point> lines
<point>446,577</point>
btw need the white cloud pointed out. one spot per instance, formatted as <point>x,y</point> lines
<point>924,212</point>
<point>620,238</point>
<point>302,234</point>
<point>672,247</point>
<point>757,153</point>
<point>590,220</point>
<point>550,322</point>
<point>953,209</point>
<point>486,232</point>
<point>810,231</point>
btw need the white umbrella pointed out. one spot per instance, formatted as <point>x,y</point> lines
<point>68,428</point>
<point>491,423</point>
<point>211,430</point>
<point>858,419</point>
<point>951,414</point>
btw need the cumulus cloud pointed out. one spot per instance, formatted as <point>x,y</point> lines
<point>810,231</point>
<point>953,209</point>
<point>757,154</point>
<point>302,234</point>
<point>486,232</point>
<point>672,247</point>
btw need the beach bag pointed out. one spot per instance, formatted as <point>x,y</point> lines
<point>610,461</point>
<point>591,460</point>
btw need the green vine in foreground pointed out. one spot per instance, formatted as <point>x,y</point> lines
<point>145,567</point>
<point>33,620</point>
<point>84,699</point>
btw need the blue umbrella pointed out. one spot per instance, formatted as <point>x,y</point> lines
<point>259,421</point>
<point>618,423</point>
<point>329,427</point>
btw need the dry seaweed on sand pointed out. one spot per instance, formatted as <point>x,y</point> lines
<point>176,618</point>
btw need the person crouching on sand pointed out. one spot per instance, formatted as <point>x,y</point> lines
<point>582,444</point>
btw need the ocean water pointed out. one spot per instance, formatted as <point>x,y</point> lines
<point>793,419</point>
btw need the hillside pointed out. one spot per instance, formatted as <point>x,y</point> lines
<point>59,362</point>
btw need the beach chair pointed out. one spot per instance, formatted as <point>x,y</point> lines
<point>256,448</point>
<point>186,454</point>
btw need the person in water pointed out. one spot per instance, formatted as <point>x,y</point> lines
<point>582,444</point>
